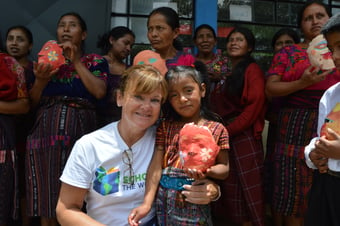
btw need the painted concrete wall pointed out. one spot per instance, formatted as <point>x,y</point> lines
<point>41,17</point>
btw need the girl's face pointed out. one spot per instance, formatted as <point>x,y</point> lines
<point>17,44</point>
<point>185,97</point>
<point>282,41</point>
<point>160,34</point>
<point>205,40</point>
<point>313,18</point>
<point>69,29</point>
<point>140,111</point>
<point>237,45</point>
<point>121,47</point>
<point>333,42</point>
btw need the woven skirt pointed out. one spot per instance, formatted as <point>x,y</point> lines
<point>58,126</point>
<point>9,203</point>
<point>242,196</point>
<point>292,178</point>
<point>173,210</point>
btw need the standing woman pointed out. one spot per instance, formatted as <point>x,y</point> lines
<point>292,76</point>
<point>163,29</point>
<point>116,46</point>
<point>13,100</point>
<point>205,40</point>
<point>240,101</point>
<point>65,111</point>
<point>284,37</point>
<point>19,43</point>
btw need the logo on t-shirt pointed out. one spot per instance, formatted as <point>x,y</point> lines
<point>107,181</point>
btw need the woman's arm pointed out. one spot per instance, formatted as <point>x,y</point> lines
<point>69,206</point>
<point>94,85</point>
<point>18,106</point>
<point>153,177</point>
<point>276,87</point>
<point>43,73</point>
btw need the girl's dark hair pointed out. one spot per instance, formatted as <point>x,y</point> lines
<point>24,29</point>
<point>306,5</point>
<point>198,72</point>
<point>286,31</point>
<point>204,26</point>
<point>171,18</point>
<point>81,21</point>
<point>116,33</point>
<point>235,82</point>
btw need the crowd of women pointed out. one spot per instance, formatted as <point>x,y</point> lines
<point>96,141</point>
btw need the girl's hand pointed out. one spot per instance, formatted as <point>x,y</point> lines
<point>194,173</point>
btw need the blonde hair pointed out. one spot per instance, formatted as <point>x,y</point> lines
<point>141,79</point>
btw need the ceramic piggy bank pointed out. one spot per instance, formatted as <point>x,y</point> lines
<point>197,146</point>
<point>51,53</point>
<point>332,121</point>
<point>319,55</point>
<point>151,58</point>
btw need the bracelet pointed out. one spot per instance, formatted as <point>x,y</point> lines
<point>219,194</point>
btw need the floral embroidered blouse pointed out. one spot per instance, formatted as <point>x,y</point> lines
<point>68,83</point>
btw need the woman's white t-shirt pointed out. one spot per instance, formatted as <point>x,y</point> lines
<point>96,163</point>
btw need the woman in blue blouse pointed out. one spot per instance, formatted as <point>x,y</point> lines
<point>65,101</point>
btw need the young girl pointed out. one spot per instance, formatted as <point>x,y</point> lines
<point>187,103</point>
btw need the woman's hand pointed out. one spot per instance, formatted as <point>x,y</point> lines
<point>311,75</point>
<point>43,71</point>
<point>137,214</point>
<point>71,51</point>
<point>201,192</point>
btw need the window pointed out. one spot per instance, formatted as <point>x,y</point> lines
<point>134,14</point>
<point>267,16</point>
<point>263,17</point>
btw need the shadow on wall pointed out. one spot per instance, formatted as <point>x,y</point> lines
<point>41,17</point>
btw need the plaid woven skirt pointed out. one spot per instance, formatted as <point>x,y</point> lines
<point>292,178</point>
<point>242,196</point>
<point>58,126</point>
<point>172,210</point>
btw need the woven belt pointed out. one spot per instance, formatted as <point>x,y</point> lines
<point>333,173</point>
<point>75,102</point>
